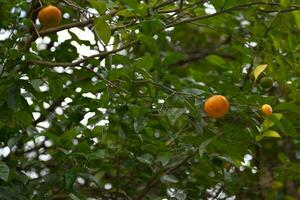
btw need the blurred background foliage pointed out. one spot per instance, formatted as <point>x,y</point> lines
<point>113,109</point>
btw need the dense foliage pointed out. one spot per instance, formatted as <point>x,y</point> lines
<point>109,104</point>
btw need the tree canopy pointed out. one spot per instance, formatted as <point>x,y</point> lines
<point>108,102</point>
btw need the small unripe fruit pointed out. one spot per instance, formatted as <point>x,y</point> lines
<point>266,82</point>
<point>266,110</point>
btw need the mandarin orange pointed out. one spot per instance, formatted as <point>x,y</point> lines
<point>216,106</point>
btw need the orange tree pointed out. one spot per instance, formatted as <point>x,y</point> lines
<point>105,99</point>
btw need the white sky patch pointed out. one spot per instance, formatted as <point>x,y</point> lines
<point>46,105</point>
<point>63,36</point>
<point>83,49</point>
<point>103,122</point>
<point>85,34</point>
<point>48,143</point>
<point>80,180</point>
<point>39,140</point>
<point>44,124</point>
<point>4,34</point>
<point>59,111</point>
<point>108,186</point>
<point>44,88</point>
<point>86,118</point>
<point>209,8</point>
<point>5,151</point>
<point>59,69</point>
<point>31,174</point>
<point>36,115</point>
<point>103,110</point>
<point>45,157</point>
<point>28,145</point>
<point>89,95</point>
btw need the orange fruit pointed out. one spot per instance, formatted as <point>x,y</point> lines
<point>50,16</point>
<point>216,106</point>
<point>266,110</point>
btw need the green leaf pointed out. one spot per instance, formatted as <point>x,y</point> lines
<point>174,113</point>
<point>276,118</point>
<point>4,171</point>
<point>217,60</point>
<point>168,179</point>
<point>98,155</point>
<point>203,146</point>
<point>69,179</point>
<point>150,43</point>
<point>289,128</point>
<point>99,6</point>
<point>36,83</point>
<point>146,158</point>
<point>13,97</point>
<point>145,62</point>
<point>226,158</point>
<point>287,106</point>
<point>258,70</point>
<point>296,15</point>
<point>103,30</point>
<point>283,158</point>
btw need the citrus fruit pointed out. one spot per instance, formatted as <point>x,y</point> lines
<point>50,16</point>
<point>266,82</point>
<point>266,110</point>
<point>216,106</point>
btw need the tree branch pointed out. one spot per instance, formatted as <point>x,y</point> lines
<point>76,63</point>
<point>219,13</point>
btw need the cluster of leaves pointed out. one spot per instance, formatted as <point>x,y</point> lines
<point>127,121</point>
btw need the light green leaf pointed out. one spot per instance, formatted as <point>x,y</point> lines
<point>296,15</point>
<point>99,6</point>
<point>269,133</point>
<point>103,30</point>
<point>258,70</point>
<point>284,3</point>
<point>4,171</point>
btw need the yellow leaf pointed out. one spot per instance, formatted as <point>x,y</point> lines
<point>258,70</point>
<point>273,134</point>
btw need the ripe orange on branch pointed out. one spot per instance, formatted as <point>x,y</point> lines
<point>216,106</point>
<point>50,16</point>
<point>266,110</point>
